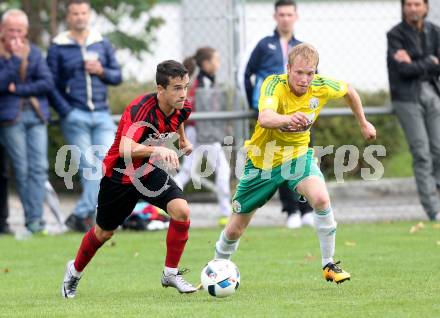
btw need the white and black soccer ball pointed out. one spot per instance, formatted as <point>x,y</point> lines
<point>220,277</point>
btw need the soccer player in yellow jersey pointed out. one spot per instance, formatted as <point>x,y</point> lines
<point>278,152</point>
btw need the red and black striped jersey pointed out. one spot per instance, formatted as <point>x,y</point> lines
<point>144,122</point>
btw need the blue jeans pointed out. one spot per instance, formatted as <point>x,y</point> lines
<point>85,129</point>
<point>25,142</point>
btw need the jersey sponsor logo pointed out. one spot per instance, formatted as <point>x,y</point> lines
<point>157,138</point>
<point>313,103</point>
<point>272,46</point>
<point>135,173</point>
<point>300,130</point>
<point>310,121</point>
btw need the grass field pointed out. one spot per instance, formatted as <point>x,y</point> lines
<point>394,274</point>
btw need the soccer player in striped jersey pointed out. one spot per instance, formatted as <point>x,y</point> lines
<point>278,152</point>
<point>137,166</point>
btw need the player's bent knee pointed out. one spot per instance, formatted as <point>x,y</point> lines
<point>321,202</point>
<point>103,235</point>
<point>181,215</point>
<point>237,225</point>
<point>178,209</point>
<point>108,235</point>
<point>234,231</point>
<point>233,234</point>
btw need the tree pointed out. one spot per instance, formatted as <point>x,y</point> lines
<point>46,15</point>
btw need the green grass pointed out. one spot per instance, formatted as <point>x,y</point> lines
<point>394,274</point>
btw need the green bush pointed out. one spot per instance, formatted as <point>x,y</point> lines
<point>120,96</point>
<point>344,130</point>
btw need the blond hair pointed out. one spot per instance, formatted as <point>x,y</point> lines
<point>306,51</point>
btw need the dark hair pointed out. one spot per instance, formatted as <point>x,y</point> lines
<point>190,65</point>
<point>71,2</point>
<point>202,54</point>
<point>403,3</point>
<point>282,3</point>
<point>169,69</point>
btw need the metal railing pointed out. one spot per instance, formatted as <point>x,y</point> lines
<point>249,114</point>
<point>252,114</point>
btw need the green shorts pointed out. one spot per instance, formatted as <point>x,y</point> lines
<point>257,186</point>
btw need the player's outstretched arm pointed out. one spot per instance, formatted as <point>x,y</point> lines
<point>267,118</point>
<point>131,149</point>
<point>354,101</point>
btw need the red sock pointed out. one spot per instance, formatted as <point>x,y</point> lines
<point>87,250</point>
<point>176,240</point>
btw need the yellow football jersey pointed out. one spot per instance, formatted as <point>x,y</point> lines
<point>269,148</point>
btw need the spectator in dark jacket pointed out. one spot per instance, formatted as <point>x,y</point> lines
<point>270,57</point>
<point>83,64</point>
<point>24,82</point>
<point>414,69</point>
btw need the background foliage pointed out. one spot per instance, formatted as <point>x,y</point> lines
<point>46,18</point>
<point>343,130</point>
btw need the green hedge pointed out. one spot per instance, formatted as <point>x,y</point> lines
<point>344,130</point>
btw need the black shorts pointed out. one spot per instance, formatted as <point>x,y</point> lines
<point>116,201</point>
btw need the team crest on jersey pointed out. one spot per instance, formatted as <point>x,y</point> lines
<point>313,103</point>
<point>236,206</point>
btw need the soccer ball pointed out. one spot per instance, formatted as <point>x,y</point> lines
<point>220,277</point>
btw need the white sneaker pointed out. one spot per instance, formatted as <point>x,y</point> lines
<point>178,282</point>
<point>294,221</point>
<point>307,219</point>
<point>70,283</point>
